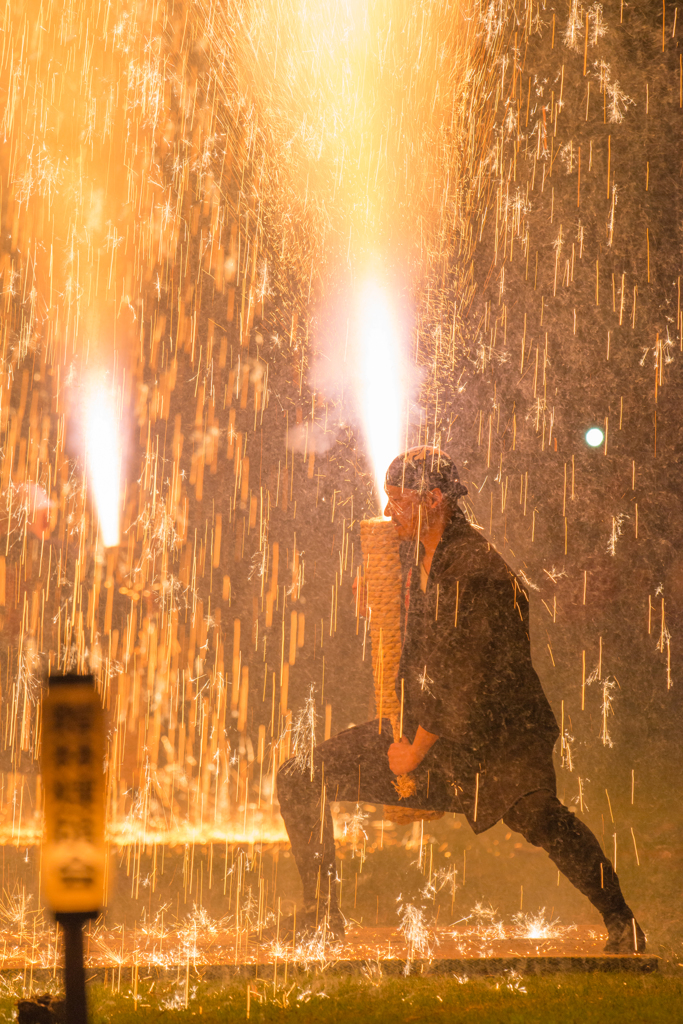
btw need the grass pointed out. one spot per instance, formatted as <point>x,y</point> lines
<point>511,999</point>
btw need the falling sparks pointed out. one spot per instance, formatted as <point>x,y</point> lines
<point>617,527</point>
<point>303,737</point>
<point>537,926</point>
<point>418,937</point>
<point>354,828</point>
<point>176,184</point>
<point>608,686</point>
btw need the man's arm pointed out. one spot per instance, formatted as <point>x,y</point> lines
<point>405,756</point>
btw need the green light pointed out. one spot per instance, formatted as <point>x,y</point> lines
<point>594,437</point>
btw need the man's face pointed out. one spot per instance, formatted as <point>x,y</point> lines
<point>403,506</point>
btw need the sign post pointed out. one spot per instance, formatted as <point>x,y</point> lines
<point>73,751</point>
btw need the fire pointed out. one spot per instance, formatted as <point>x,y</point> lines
<point>381,391</point>
<point>103,460</point>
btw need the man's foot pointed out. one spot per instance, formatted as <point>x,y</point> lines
<point>625,936</point>
<point>307,924</point>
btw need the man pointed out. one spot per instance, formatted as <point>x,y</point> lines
<point>478,731</point>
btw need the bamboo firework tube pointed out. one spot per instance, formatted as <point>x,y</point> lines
<point>382,568</point>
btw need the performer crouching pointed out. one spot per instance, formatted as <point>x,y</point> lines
<point>478,731</point>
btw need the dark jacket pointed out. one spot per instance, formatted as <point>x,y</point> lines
<point>468,678</point>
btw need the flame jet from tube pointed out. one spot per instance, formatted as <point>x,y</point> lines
<point>103,459</point>
<point>381,393</point>
<point>361,364</point>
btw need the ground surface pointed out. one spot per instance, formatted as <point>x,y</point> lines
<point>508,999</point>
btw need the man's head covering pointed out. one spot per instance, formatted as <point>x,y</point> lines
<point>422,469</point>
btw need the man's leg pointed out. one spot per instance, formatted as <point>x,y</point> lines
<point>570,844</point>
<point>351,766</point>
<point>305,809</point>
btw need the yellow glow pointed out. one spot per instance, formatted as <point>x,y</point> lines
<point>355,107</point>
<point>381,394</point>
<point>103,460</point>
<point>339,117</point>
<point>352,101</point>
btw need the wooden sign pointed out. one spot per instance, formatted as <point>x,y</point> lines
<point>73,751</point>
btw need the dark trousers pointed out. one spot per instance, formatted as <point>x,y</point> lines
<point>353,766</point>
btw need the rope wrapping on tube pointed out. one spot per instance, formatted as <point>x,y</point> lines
<point>382,579</point>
